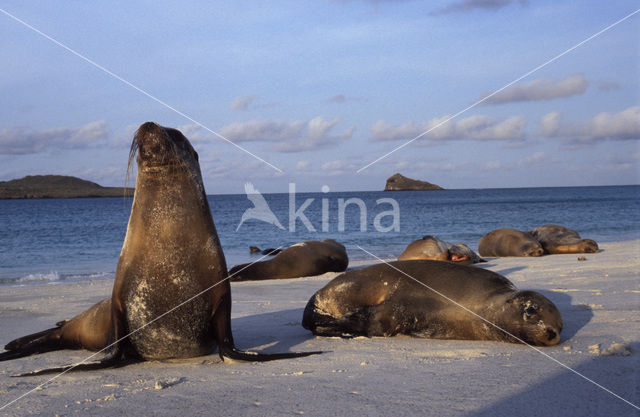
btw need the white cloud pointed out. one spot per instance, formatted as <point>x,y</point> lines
<point>22,141</point>
<point>624,125</point>
<point>464,6</point>
<point>339,167</point>
<point>550,124</point>
<point>605,85</point>
<point>474,127</point>
<point>242,103</point>
<point>541,89</point>
<point>260,131</point>
<point>296,136</point>
<point>303,165</point>
<point>493,166</point>
<point>534,159</point>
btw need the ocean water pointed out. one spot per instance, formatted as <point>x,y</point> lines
<point>79,239</point>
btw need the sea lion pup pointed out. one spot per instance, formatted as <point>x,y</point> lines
<point>300,260</point>
<point>509,242</point>
<point>558,239</point>
<point>171,259</point>
<point>430,247</point>
<point>391,299</point>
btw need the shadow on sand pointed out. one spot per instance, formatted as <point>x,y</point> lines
<point>281,330</point>
<point>574,317</point>
<point>568,394</point>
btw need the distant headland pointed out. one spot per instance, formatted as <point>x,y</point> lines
<point>399,182</point>
<point>57,186</point>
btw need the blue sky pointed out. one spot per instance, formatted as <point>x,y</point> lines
<point>320,89</point>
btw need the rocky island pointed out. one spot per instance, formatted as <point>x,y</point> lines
<point>57,186</point>
<point>399,182</point>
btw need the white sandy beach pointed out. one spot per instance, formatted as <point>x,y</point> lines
<point>599,300</point>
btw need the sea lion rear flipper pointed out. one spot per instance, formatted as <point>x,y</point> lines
<point>44,341</point>
<point>112,360</point>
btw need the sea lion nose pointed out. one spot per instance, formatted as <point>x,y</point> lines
<point>552,337</point>
<point>151,140</point>
<point>149,125</point>
<point>146,128</point>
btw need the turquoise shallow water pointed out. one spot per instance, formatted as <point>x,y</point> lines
<point>77,239</point>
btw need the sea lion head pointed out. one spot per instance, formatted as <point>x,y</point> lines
<point>460,254</point>
<point>533,318</point>
<point>531,249</point>
<point>167,163</point>
<point>163,149</point>
<point>589,246</point>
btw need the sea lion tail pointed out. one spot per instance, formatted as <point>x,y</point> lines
<point>32,344</point>
<point>232,353</point>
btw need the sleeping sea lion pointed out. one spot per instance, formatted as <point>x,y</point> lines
<point>509,242</point>
<point>424,299</point>
<point>300,260</point>
<point>430,247</point>
<point>558,239</point>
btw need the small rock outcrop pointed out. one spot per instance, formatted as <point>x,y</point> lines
<point>398,182</point>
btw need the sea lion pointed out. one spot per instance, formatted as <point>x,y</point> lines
<point>430,247</point>
<point>408,297</point>
<point>88,330</point>
<point>300,260</point>
<point>171,297</point>
<point>270,251</point>
<point>558,239</point>
<point>509,242</point>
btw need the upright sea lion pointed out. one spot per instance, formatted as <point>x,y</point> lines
<point>558,239</point>
<point>509,242</point>
<point>300,260</point>
<point>430,247</point>
<point>171,298</point>
<point>408,297</point>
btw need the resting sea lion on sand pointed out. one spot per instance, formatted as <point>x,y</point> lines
<point>300,260</point>
<point>430,247</point>
<point>509,242</point>
<point>558,239</point>
<point>171,298</point>
<point>270,251</point>
<point>399,298</point>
